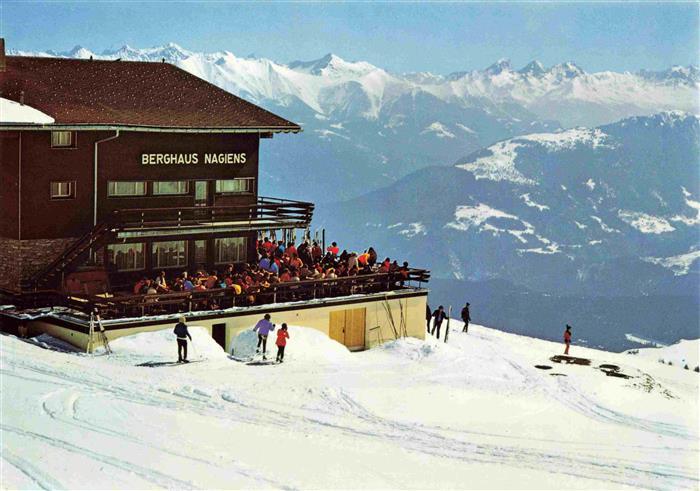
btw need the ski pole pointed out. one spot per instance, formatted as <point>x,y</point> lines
<point>194,350</point>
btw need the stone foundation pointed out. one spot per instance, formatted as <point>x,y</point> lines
<point>20,259</point>
<point>10,264</point>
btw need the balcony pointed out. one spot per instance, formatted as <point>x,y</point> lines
<point>265,214</point>
<point>138,223</point>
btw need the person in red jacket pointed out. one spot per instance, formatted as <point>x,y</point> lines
<point>333,249</point>
<point>282,336</point>
<point>567,338</point>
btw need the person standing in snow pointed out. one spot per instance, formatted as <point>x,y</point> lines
<point>567,338</point>
<point>282,336</point>
<point>428,316</point>
<point>263,328</point>
<point>466,317</point>
<point>182,334</point>
<point>438,316</point>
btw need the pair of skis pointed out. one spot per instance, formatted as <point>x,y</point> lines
<point>259,360</point>
<point>447,329</point>
<point>102,337</point>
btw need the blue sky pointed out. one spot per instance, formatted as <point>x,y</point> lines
<point>436,37</point>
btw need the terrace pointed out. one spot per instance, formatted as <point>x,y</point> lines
<point>122,306</point>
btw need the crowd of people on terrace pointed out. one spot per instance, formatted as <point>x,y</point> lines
<point>277,263</point>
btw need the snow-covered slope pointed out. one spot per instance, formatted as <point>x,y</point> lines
<point>684,353</point>
<point>474,413</point>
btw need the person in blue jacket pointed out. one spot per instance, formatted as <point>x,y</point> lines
<point>182,334</point>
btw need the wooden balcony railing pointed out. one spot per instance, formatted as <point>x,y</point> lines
<point>266,213</point>
<point>114,307</point>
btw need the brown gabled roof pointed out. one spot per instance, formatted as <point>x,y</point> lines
<point>129,93</point>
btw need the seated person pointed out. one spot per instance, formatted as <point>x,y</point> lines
<point>139,286</point>
<point>161,284</point>
<point>211,281</point>
<point>187,285</point>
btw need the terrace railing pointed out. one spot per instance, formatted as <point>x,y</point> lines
<point>266,213</point>
<point>221,298</point>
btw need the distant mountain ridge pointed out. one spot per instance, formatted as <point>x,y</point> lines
<point>611,211</point>
<point>533,85</point>
<point>365,127</point>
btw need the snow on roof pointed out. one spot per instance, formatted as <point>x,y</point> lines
<point>14,112</point>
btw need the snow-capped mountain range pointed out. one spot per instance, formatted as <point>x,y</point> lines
<point>365,127</point>
<point>332,86</point>
<point>612,210</point>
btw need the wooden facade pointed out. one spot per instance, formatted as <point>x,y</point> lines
<point>128,136</point>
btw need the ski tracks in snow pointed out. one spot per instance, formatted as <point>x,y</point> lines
<point>329,412</point>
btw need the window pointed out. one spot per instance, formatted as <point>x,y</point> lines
<point>126,188</point>
<point>244,185</point>
<point>200,252</point>
<point>62,139</point>
<point>170,187</point>
<point>63,190</point>
<point>169,254</point>
<point>126,257</point>
<point>231,249</point>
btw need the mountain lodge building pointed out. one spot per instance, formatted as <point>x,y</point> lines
<point>114,170</point>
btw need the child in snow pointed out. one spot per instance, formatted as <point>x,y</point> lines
<point>282,336</point>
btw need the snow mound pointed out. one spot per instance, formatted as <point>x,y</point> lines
<point>49,342</point>
<point>307,344</point>
<point>243,346</point>
<point>417,349</point>
<point>158,346</point>
<point>683,352</point>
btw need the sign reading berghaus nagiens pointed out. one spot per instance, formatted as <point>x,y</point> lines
<point>192,158</point>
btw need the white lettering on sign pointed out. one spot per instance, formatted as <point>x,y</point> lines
<point>192,158</point>
<point>224,158</point>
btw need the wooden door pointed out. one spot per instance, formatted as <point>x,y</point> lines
<point>336,327</point>
<point>348,327</point>
<point>355,328</point>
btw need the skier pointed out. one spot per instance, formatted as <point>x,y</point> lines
<point>438,316</point>
<point>466,317</point>
<point>282,336</point>
<point>567,338</point>
<point>428,315</point>
<point>182,334</point>
<point>263,327</point>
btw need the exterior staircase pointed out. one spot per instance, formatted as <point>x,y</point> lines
<point>51,275</point>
